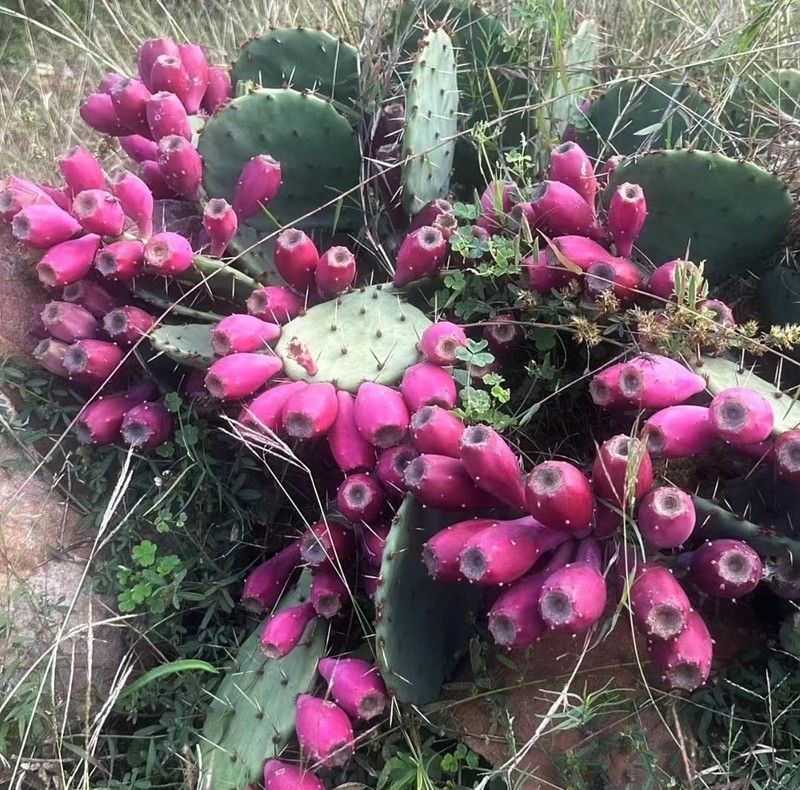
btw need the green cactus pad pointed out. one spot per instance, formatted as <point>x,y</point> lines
<point>722,374</point>
<point>317,149</point>
<point>188,344</point>
<point>732,215</point>
<point>221,279</point>
<point>630,113</point>
<point>780,89</point>
<point>423,627</point>
<point>431,122</point>
<point>254,252</point>
<point>252,713</point>
<point>779,296</point>
<point>367,335</point>
<point>303,59</point>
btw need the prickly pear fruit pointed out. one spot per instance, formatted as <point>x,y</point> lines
<point>504,334</point>
<point>546,274</point>
<point>67,262</point>
<point>391,468</point>
<point>127,325</point>
<point>283,776</point>
<point>136,200</point>
<point>426,384</point>
<point>559,210</point>
<point>622,467</point>
<point>381,415</point>
<point>69,322</point>
<point>725,568</point>
<point>786,453</point>
<point>436,431</point>
<point>661,282</point>
<point>496,201</point>
<point>721,314</point>
<point>443,482</point>
<point>265,584</point>
<point>166,115</point>
<point>97,110</point>
<point>373,542</point>
<point>560,496</point>
<point>100,421</point>
<point>150,50</point>
<point>181,165</point>
<point>324,731</point>
<point>92,361</point>
<point>96,299</point>
<point>421,254</point>
<point>140,149</point>
<point>240,375</point>
<point>741,416</point>
<point>570,165</point>
<point>666,517</point>
<point>240,332</point>
<point>81,171</point>
<point>492,464</point>
<point>329,591</point>
<point>43,225</point>
<point>441,553</point>
<point>154,178</point>
<point>355,685</point>
<point>285,629</point>
<point>335,272</point>
<point>221,224</point>
<point>617,275</point>
<point>122,260</point>
<point>684,663</point>
<point>258,183</point>
<point>219,90</point>
<point>678,432</point>
<point>440,342</point>
<point>296,259</point>
<point>167,254</point>
<point>360,498</point>
<point>49,353</point>
<point>147,425</point>
<point>351,451</point>
<point>195,65</point>
<point>580,251</point>
<point>264,414</point>
<point>17,193</point>
<point>129,98</point>
<point>626,216</point>
<point>327,541</point>
<point>274,303</point>
<point>99,212</point>
<point>311,411</point>
<point>169,75</point>
<point>659,606</point>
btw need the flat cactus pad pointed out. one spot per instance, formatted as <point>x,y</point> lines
<point>188,344</point>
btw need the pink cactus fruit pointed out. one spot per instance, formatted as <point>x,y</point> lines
<point>647,382</point>
<point>167,254</point>
<point>219,91</point>
<point>441,553</point>
<point>514,619</point>
<point>265,584</point>
<point>81,171</point>
<point>311,411</point>
<point>327,542</point>
<point>129,99</point>
<point>166,115</point>
<point>580,251</point>
<point>496,201</point>
<point>430,213</point>
<point>560,496</point>
<point>127,325</point>
<point>725,568</point>
<point>168,75</point>
<point>440,342</point>
<point>93,361</point>
<point>279,775</point>
<point>136,200</point>
<point>422,253</point>
<point>296,259</point>
<point>659,606</point>
<point>661,282</point>
<point>335,272</point>
<point>443,482</point>
<point>181,165</point>
<point>324,731</point>
<point>285,629</point>
<point>574,597</point>
<point>101,420</point>
<point>616,275</point>
<point>437,431</point>
<point>146,426</point>
<point>741,416</point>
<point>355,685</point>
<point>493,464</point>
<point>258,183</point>
<point>97,111</point>
<point>152,176</point>
<point>622,468</point>
<point>121,260</point>
<point>504,335</point>
<point>684,663</point>
<point>373,542</point>
<point>571,165</point>
<point>221,223</point>
<point>360,498</point>
<point>678,432</point>
<point>610,165</point>
<point>786,454</point>
<point>721,314</point>
<point>69,322</point>
<point>351,451</point>
<point>240,332</point>
<point>140,149</point>
<point>17,193</point>
<point>391,468</point>
<point>559,210</point>
<point>240,375</point>
<point>264,414</point>
<point>506,550</point>
<point>195,64</point>
<point>94,297</point>
<point>626,216</point>
<point>329,591</point>
<point>666,517</point>
<point>148,52</point>
<point>99,212</point>
<point>546,274</point>
<point>381,415</point>
<point>275,303</point>
<point>43,225</point>
<point>49,353</point>
<point>426,384</point>
<point>58,195</point>
<point>67,262</point>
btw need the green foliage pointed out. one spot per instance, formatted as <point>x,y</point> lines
<point>189,344</point>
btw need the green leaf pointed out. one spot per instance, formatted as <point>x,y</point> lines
<point>172,668</point>
<point>145,553</point>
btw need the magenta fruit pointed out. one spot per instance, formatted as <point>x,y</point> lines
<point>492,464</point>
<point>421,254</point>
<point>147,425</point>
<point>219,90</point>
<point>786,453</point>
<point>311,411</point>
<point>166,115</point>
<point>283,776</point>
<point>327,542</point>
<point>443,482</point>
<point>440,342</point>
<point>355,685</point>
<point>741,416</point>
<point>381,415</point>
<point>560,496</point>
<point>436,431</point>
<point>43,226</point>
<point>140,149</point>
<point>99,212</point>
<point>296,258</point>
<point>67,262</point>
<point>678,432</point>
<point>181,166</point>
<point>136,200</point>
<point>97,110</point>
<point>96,299</point>
<point>580,251</point>
<point>264,414</point>
<point>666,517</point>
<point>49,354</point>
<point>661,282</point>
<point>167,254</point>
<point>426,384</point>
<point>570,165</point>
<point>560,210</point>
<point>240,332</point>
<point>622,467</point>
<point>122,260</point>
<point>329,592</point>
<point>129,99</point>
<point>441,553</point>
<point>285,629</point>
<point>335,272</point>
<point>360,498</point>
<point>92,360</point>
<point>659,606</point>
<point>101,420</point>
<point>725,568</point>
<point>150,50</point>
<point>351,451</point>
<point>127,325</point>
<point>684,663</point>
<point>721,314</point>
<point>81,171</point>
<point>168,75</point>
<point>324,731</point>
<point>430,212</point>
<point>258,183</point>
<point>275,303</point>
<point>373,541</point>
<point>221,224</point>
<point>626,216</point>
<point>195,65</point>
<point>546,274</point>
<point>156,183</point>
<point>504,334</point>
<point>391,468</point>
<point>69,322</point>
<point>18,193</point>
<point>264,586</point>
<point>496,202</point>
<point>240,375</point>
<point>617,275</point>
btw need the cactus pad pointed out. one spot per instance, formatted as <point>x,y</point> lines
<point>780,89</point>
<point>366,335</point>
<point>315,145</point>
<point>722,374</point>
<point>252,714</point>
<point>423,626</point>
<point>303,59</point>
<point>732,215</point>
<point>431,122</point>
<point>779,296</point>
<point>188,344</point>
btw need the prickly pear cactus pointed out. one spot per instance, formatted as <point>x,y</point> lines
<point>317,148</point>
<point>423,627</point>
<point>367,335</point>
<point>303,59</point>
<point>251,717</point>
<point>780,90</point>
<point>188,344</point>
<point>732,215</point>
<point>431,122</point>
